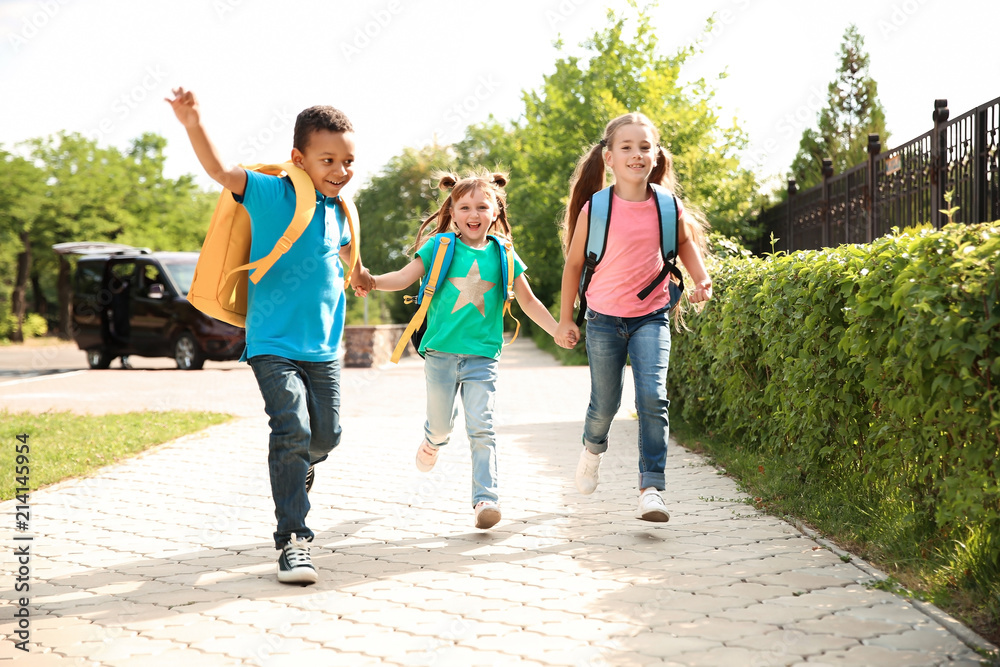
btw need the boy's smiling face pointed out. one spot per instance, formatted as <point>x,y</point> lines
<point>328,158</point>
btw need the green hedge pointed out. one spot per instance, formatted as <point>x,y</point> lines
<point>874,368</point>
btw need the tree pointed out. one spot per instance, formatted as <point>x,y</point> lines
<point>624,73</point>
<point>103,194</point>
<point>851,114</point>
<point>21,191</point>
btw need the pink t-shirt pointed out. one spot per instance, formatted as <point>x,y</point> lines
<point>632,259</point>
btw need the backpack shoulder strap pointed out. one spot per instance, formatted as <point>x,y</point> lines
<point>667,213</point>
<point>598,223</point>
<point>444,244</point>
<point>666,210</point>
<point>351,215</point>
<point>305,206</point>
<point>444,251</point>
<point>506,248</point>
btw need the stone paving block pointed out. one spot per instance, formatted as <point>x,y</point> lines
<point>660,645</point>
<point>35,658</point>
<point>324,657</point>
<point>253,647</point>
<point>734,655</point>
<point>717,629</point>
<point>794,643</point>
<point>930,640</point>
<point>874,655</point>
<point>179,656</point>
<point>519,643</point>
<point>887,609</point>
<point>845,626</point>
<point>799,581</point>
<point>55,637</point>
<point>773,612</point>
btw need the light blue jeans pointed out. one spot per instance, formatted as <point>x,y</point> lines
<point>475,377</point>
<point>646,341</point>
<point>302,399</point>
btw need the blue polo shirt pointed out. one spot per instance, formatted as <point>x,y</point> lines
<point>297,309</point>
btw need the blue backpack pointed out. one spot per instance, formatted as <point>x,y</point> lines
<point>597,238</point>
<point>444,252</point>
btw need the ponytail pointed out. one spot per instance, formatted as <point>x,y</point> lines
<point>588,178</point>
<point>663,172</point>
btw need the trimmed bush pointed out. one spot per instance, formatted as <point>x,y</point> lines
<point>874,369</point>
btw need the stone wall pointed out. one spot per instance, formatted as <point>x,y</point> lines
<point>366,346</point>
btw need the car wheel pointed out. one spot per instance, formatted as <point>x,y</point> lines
<point>98,358</point>
<point>187,354</point>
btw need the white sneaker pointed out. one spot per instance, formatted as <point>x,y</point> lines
<point>487,514</point>
<point>651,507</point>
<point>588,472</point>
<point>294,564</point>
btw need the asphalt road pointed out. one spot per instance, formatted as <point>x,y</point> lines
<point>55,377</point>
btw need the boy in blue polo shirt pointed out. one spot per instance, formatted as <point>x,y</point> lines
<point>295,314</point>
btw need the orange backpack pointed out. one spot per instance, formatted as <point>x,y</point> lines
<point>219,287</point>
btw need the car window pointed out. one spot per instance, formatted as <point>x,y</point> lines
<point>151,275</point>
<point>88,279</point>
<point>121,277</point>
<point>182,273</point>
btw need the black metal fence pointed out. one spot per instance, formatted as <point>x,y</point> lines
<point>901,187</point>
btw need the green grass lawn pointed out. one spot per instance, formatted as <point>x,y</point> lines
<point>61,445</point>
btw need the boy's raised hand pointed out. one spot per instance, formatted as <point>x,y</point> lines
<point>185,106</point>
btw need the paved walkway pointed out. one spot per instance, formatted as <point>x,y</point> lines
<point>166,559</point>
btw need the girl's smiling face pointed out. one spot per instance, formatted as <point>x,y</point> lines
<point>631,156</point>
<point>474,214</point>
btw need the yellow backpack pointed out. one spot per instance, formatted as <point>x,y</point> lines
<point>219,287</point>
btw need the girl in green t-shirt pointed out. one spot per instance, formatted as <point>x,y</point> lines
<point>464,334</point>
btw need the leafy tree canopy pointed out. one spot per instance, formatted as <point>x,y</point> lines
<point>852,112</point>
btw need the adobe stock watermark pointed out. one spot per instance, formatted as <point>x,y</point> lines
<point>253,144</point>
<point>125,104</point>
<point>33,23</point>
<point>459,113</point>
<point>224,7</point>
<point>365,33</point>
<point>899,16</point>
<point>722,20</point>
<point>562,12</point>
<point>791,123</point>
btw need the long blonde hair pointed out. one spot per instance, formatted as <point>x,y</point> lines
<point>492,184</point>
<point>589,177</point>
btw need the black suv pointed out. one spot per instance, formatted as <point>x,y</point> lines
<point>130,301</point>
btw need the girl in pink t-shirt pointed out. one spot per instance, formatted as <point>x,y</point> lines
<point>620,324</point>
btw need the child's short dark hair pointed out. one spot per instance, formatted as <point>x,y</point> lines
<point>321,117</point>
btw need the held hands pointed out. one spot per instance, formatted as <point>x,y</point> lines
<point>702,292</point>
<point>185,106</point>
<point>364,284</point>
<point>567,335</point>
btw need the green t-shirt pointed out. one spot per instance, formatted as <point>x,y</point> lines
<point>466,314</point>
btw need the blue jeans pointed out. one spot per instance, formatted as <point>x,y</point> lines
<point>646,341</point>
<point>302,399</point>
<point>476,378</point>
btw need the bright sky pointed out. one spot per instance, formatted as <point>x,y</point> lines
<point>405,71</point>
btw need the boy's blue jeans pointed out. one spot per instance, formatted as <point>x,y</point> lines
<point>302,399</point>
<point>476,378</point>
<point>646,341</point>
